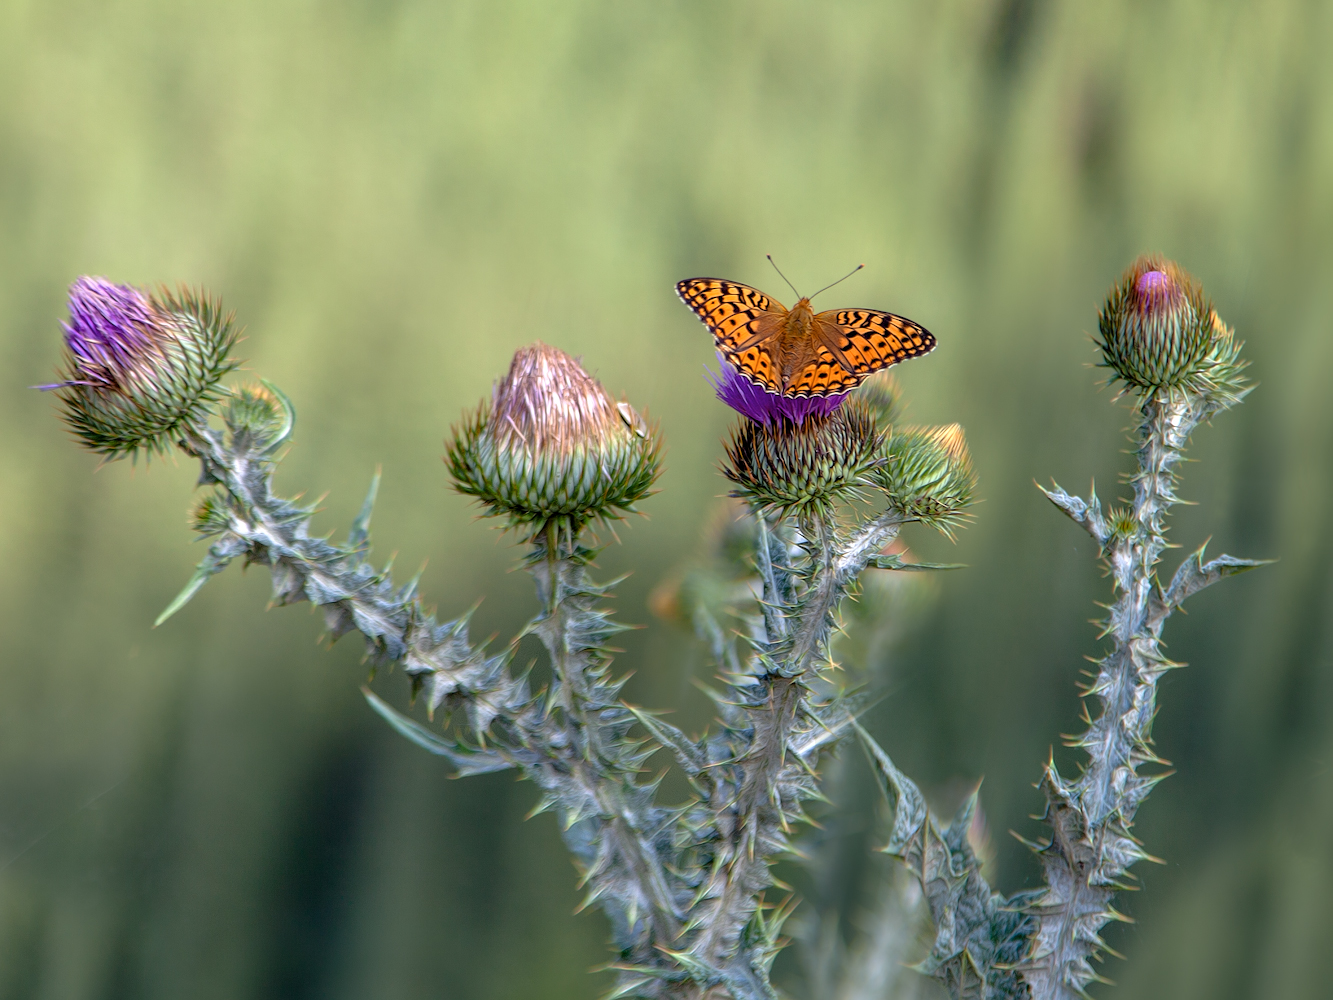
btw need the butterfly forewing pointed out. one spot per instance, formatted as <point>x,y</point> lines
<point>738,316</point>
<point>729,309</point>
<point>878,339</point>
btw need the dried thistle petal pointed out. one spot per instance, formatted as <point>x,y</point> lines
<point>553,447</point>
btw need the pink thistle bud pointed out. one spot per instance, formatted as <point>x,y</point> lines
<point>1157,327</point>
<point>553,447</point>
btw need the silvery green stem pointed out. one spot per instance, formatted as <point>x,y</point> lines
<point>758,779</point>
<point>573,741</point>
<point>1091,848</point>
<point>589,771</point>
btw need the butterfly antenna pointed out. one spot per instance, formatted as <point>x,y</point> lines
<point>783,276</point>
<point>840,280</point>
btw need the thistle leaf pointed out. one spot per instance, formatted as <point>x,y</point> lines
<point>893,560</point>
<point>360,531</point>
<point>220,555</point>
<point>1193,575</point>
<point>1087,514</point>
<point>467,760</point>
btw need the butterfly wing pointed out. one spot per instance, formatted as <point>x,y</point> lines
<point>853,344</point>
<point>743,321</point>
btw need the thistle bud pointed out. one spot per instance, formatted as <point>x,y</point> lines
<point>929,474</point>
<point>138,368</point>
<point>552,447</point>
<point>804,467</point>
<point>1156,327</point>
<point>258,416</point>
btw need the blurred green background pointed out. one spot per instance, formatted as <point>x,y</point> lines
<point>393,195</point>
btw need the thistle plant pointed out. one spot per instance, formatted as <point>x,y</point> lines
<point>824,485</point>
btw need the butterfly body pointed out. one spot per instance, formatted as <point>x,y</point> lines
<point>799,352</point>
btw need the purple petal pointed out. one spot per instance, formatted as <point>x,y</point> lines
<point>110,325</point>
<point>762,406</point>
<point>1156,291</point>
<point>112,330</point>
<point>1153,283</point>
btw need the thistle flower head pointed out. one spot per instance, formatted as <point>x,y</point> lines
<point>139,368</point>
<point>552,447</point>
<point>929,474</point>
<point>762,406</point>
<point>804,467</point>
<point>1156,327</point>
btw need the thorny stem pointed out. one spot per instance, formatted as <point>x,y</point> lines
<point>582,762</point>
<point>585,698</point>
<point>839,566</point>
<point>795,632</point>
<point>1091,847</point>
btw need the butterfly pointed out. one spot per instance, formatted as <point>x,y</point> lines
<point>797,351</point>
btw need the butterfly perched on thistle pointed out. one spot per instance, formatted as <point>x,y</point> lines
<point>797,352</point>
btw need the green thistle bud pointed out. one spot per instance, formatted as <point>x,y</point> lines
<point>1121,522</point>
<point>211,515</point>
<point>1156,327</point>
<point>804,467</point>
<point>258,415</point>
<point>139,369</point>
<point>552,447</point>
<point>929,474</point>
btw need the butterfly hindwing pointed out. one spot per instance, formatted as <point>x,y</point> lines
<point>825,376</point>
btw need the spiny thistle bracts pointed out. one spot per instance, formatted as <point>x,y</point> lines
<point>928,474</point>
<point>805,467</point>
<point>552,447</point>
<point>140,370</point>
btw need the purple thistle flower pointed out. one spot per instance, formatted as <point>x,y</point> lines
<point>139,369</point>
<point>113,330</point>
<point>762,406</point>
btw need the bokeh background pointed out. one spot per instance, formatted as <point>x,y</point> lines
<point>393,195</point>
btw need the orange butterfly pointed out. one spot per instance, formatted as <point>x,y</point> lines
<point>799,352</point>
